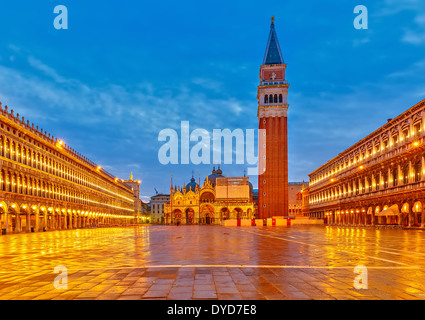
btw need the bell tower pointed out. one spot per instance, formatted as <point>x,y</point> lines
<point>273,145</point>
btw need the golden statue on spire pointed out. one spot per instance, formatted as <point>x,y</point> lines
<point>131,176</point>
<point>272,19</point>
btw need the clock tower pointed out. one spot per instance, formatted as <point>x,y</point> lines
<point>273,141</point>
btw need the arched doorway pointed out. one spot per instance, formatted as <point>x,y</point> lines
<point>405,210</point>
<point>176,217</point>
<point>207,197</point>
<point>3,219</point>
<point>224,213</point>
<point>207,214</point>
<point>249,214</point>
<point>238,213</point>
<point>14,218</point>
<point>418,218</point>
<point>189,215</point>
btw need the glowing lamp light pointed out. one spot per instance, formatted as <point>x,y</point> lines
<point>59,144</point>
<point>416,143</point>
<point>361,167</point>
<point>98,168</point>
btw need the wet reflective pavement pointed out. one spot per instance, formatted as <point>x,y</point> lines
<point>214,262</point>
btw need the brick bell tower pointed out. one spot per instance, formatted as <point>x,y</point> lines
<point>273,140</point>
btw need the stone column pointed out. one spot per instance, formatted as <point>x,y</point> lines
<point>6,219</point>
<point>18,222</point>
<point>409,217</point>
<point>399,173</point>
<point>37,222</point>
<point>423,168</point>
<point>28,222</point>
<point>65,221</point>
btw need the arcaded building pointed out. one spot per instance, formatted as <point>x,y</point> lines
<point>218,199</point>
<point>380,180</point>
<point>46,185</point>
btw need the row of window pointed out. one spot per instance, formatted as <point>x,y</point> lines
<point>15,182</point>
<point>273,98</point>
<point>408,173</point>
<point>27,156</point>
<point>369,149</point>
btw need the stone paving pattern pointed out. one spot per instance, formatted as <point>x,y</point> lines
<point>214,262</point>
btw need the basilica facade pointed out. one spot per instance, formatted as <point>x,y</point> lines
<point>219,198</point>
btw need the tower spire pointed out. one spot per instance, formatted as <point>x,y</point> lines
<point>273,54</point>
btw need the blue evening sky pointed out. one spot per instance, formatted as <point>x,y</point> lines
<point>124,70</point>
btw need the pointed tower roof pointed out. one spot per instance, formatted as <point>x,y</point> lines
<point>273,54</point>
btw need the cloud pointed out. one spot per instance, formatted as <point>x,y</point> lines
<point>392,7</point>
<point>209,84</point>
<point>413,33</point>
<point>413,38</point>
<point>116,126</point>
<point>38,65</point>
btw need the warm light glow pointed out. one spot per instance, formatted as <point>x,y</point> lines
<point>59,144</point>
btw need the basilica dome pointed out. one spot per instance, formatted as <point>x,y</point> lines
<point>214,175</point>
<point>191,185</point>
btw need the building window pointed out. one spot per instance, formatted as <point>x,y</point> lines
<point>405,134</point>
<point>395,177</point>
<point>385,180</point>
<point>385,143</point>
<point>395,138</point>
<point>417,127</point>
<point>406,174</point>
<point>418,168</point>
<point>266,99</point>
